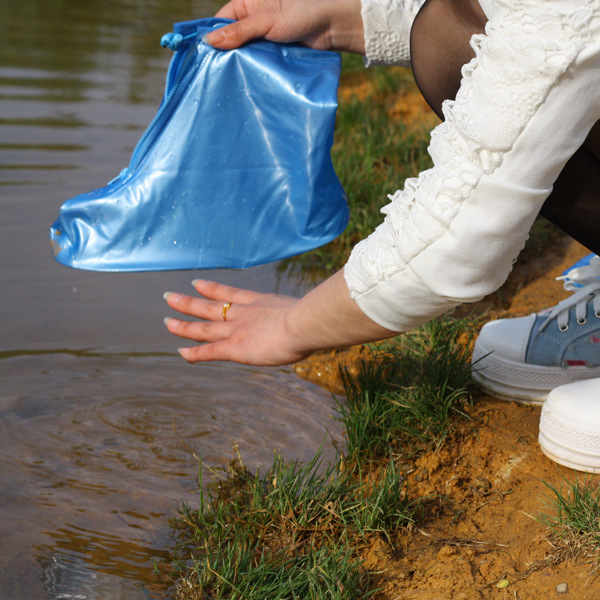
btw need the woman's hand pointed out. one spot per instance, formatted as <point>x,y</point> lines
<point>320,24</point>
<point>269,329</point>
<point>254,332</point>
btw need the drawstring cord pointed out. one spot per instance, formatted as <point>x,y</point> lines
<point>173,41</point>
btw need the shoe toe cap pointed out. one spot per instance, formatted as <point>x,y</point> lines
<point>576,404</point>
<point>507,338</point>
<point>570,425</point>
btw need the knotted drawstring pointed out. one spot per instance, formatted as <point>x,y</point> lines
<point>585,282</point>
<point>171,40</point>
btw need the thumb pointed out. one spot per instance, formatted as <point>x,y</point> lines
<point>238,33</point>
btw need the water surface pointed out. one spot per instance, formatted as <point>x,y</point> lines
<point>102,426</point>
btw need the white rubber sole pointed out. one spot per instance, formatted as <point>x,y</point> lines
<point>567,457</point>
<point>520,382</point>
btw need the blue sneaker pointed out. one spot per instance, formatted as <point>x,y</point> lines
<point>523,359</point>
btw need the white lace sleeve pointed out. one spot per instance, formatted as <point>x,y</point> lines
<point>387,26</point>
<point>526,103</point>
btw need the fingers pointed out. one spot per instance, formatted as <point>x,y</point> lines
<point>235,9</point>
<point>241,31</point>
<point>214,338</point>
<point>205,353</point>
<point>203,331</point>
<point>212,306</point>
<point>224,293</point>
<point>229,11</point>
<point>228,349</point>
<point>199,308</point>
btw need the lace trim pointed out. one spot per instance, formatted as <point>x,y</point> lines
<point>387,25</point>
<point>517,62</point>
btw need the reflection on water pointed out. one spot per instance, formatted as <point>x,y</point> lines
<point>100,450</point>
<point>102,426</point>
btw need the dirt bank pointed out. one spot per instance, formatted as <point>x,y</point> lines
<point>488,482</point>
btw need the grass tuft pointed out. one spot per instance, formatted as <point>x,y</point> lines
<point>242,572</point>
<point>410,393</point>
<point>575,518</point>
<point>288,534</point>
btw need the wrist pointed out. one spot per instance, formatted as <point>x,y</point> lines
<point>327,317</point>
<point>346,31</point>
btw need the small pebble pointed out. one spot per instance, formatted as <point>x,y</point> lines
<point>421,475</point>
<point>483,484</point>
<point>562,588</point>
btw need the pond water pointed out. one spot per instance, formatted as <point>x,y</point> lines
<point>102,425</point>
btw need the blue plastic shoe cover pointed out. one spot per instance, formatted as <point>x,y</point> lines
<point>234,170</point>
<point>571,275</point>
<point>582,262</point>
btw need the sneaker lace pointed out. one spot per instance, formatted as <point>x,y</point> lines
<point>585,283</point>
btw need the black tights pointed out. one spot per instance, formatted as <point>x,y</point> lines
<point>439,48</point>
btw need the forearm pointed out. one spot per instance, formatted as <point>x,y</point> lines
<point>327,317</point>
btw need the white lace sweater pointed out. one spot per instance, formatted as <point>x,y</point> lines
<point>526,103</point>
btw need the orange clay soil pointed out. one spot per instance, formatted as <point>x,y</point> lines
<point>488,479</point>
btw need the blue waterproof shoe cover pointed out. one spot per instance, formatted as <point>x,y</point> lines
<point>234,170</point>
<point>523,359</point>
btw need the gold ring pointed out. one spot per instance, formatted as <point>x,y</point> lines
<point>226,307</point>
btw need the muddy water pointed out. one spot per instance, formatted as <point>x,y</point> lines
<point>102,426</point>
